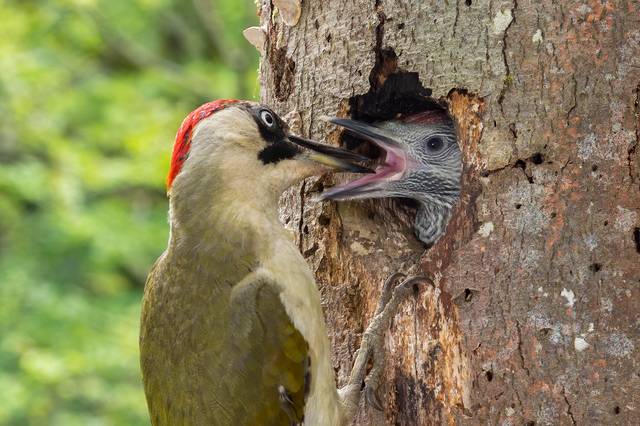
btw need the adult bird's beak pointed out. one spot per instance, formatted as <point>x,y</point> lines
<point>331,156</point>
<point>373,185</point>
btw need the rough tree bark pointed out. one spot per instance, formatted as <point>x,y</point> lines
<point>535,316</point>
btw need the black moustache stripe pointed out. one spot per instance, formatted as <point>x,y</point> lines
<point>276,152</point>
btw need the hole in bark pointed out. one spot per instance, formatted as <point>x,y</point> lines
<point>468,295</point>
<point>595,267</point>
<point>518,206</point>
<point>544,332</point>
<point>636,238</point>
<point>606,222</point>
<point>531,423</point>
<point>399,96</point>
<point>594,168</point>
<point>401,26</point>
<point>328,38</point>
<point>537,158</point>
<point>489,375</point>
<point>393,93</point>
<point>316,24</point>
<point>467,2</point>
<point>616,410</point>
<point>553,214</point>
<point>305,229</point>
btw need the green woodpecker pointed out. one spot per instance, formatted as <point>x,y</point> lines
<point>232,330</point>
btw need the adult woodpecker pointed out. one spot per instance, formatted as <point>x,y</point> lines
<point>422,161</point>
<point>232,330</point>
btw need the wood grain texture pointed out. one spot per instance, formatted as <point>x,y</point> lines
<point>534,320</point>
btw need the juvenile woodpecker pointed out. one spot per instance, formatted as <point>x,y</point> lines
<point>422,161</point>
<point>232,330</point>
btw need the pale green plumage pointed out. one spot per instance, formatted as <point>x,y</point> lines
<point>231,310</point>
<point>185,351</point>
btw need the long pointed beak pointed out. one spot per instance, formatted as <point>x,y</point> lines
<point>374,185</point>
<point>367,131</point>
<point>331,156</point>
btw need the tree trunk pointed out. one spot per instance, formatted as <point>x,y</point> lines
<point>534,319</point>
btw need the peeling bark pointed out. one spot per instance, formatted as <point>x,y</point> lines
<point>534,315</point>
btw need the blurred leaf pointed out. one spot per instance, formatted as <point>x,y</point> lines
<point>91,95</point>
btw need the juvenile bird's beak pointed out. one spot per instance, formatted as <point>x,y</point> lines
<point>396,162</point>
<point>331,156</point>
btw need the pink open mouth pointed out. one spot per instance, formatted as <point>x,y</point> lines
<point>392,168</point>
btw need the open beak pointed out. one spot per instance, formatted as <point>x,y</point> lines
<point>331,156</point>
<point>373,185</point>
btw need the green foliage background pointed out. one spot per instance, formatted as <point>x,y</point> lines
<point>91,95</point>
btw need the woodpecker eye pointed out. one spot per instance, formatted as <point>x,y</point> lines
<point>267,118</point>
<point>435,144</point>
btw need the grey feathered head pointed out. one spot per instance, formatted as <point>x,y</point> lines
<point>422,161</point>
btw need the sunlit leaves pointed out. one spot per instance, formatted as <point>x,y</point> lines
<point>91,95</point>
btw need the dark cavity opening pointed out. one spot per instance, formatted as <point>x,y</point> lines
<point>489,375</point>
<point>537,158</point>
<point>595,267</point>
<point>467,2</point>
<point>636,238</point>
<point>468,295</point>
<point>616,410</point>
<point>393,94</point>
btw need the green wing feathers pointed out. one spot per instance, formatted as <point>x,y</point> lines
<point>276,354</point>
<point>221,354</point>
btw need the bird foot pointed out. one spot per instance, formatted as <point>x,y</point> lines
<point>372,343</point>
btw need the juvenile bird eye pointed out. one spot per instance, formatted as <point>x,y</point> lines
<point>435,144</point>
<point>267,118</point>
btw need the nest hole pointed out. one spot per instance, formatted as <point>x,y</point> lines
<point>394,94</point>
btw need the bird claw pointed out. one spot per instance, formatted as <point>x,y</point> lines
<point>387,290</point>
<point>392,295</point>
